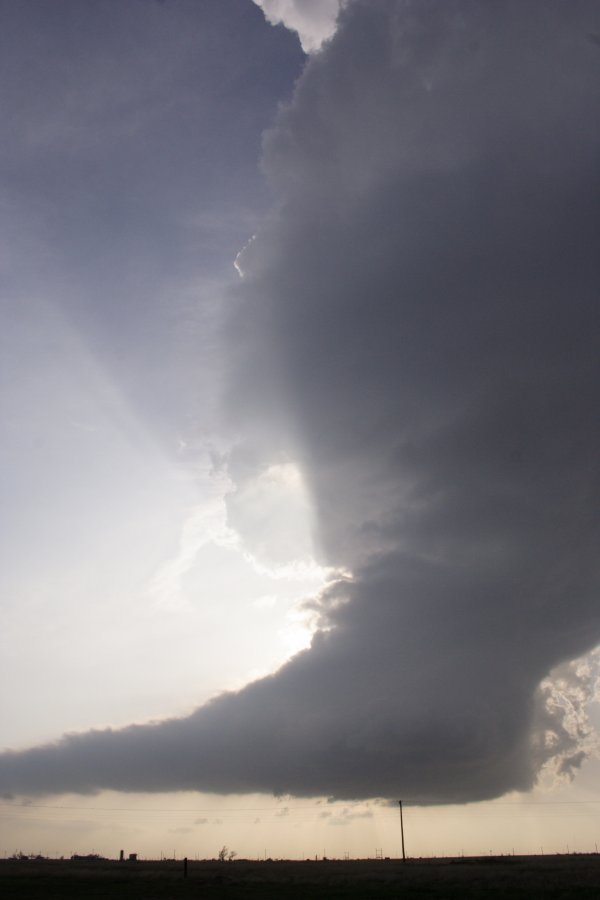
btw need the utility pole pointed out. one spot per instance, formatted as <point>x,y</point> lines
<point>402,830</point>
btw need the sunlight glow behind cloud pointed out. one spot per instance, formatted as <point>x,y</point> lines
<point>313,20</point>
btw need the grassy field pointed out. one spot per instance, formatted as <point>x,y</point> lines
<point>494,877</point>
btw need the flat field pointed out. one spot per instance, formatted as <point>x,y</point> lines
<point>576,875</point>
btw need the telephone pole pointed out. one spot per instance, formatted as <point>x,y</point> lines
<point>402,830</point>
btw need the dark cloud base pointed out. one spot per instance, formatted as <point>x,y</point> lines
<point>418,326</point>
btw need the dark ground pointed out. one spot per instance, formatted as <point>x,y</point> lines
<point>576,875</point>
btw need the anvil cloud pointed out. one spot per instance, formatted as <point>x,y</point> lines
<point>418,329</point>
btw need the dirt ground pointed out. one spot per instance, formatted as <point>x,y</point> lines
<point>530,877</point>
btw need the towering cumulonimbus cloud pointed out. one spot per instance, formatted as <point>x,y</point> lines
<point>418,325</point>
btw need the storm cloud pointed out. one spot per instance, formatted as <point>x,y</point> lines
<point>417,328</point>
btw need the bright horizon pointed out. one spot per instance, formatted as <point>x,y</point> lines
<point>168,826</point>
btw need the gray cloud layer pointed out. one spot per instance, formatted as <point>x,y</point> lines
<point>418,325</point>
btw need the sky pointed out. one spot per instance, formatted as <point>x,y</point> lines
<point>299,442</point>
